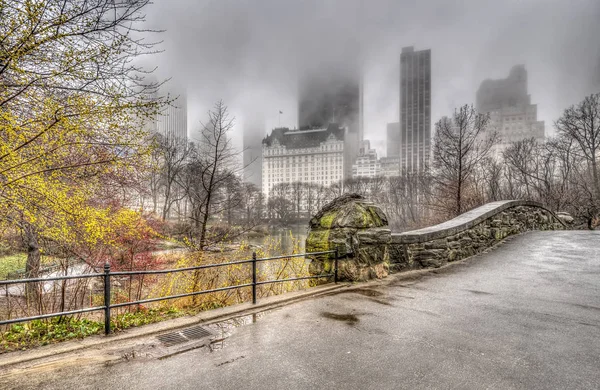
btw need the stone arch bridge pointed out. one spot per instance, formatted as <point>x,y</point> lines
<point>359,229</point>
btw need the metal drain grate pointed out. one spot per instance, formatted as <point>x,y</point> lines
<point>189,334</point>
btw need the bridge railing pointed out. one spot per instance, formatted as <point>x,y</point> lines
<point>108,274</point>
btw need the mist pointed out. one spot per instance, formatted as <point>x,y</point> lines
<point>252,53</point>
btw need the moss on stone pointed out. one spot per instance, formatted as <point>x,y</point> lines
<point>317,241</point>
<point>376,220</point>
<point>327,219</point>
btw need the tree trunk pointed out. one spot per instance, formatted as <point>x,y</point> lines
<point>32,267</point>
<point>204,222</point>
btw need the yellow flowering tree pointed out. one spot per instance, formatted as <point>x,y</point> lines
<point>73,108</point>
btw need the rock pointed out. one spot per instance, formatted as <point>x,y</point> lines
<point>355,227</point>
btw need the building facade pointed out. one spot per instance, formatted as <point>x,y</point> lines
<point>172,121</point>
<point>309,156</point>
<point>393,140</point>
<point>415,109</point>
<point>389,166</point>
<point>366,164</point>
<point>512,115</point>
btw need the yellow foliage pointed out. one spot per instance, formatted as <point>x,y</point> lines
<point>69,123</point>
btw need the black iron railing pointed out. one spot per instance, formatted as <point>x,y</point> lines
<point>106,276</point>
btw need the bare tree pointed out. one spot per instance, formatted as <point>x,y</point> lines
<point>298,193</point>
<point>210,169</point>
<point>171,156</point>
<point>492,176</point>
<point>252,202</point>
<point>582,124</point>
<point>280,202</point>
<point>461,142</point>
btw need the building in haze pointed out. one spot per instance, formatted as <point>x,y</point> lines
<point>327,97</point>
<point>172,121</point>
<point>389,166</point>
<point>512,115</point>
<point>314,156</point>
<point>393,139</point>
<point>366,164</point>
<point>414,136</point>
<point>254,131</point>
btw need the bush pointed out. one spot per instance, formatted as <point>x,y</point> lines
<point>42,332</point>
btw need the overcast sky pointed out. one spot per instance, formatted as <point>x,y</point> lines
<point>249,52</point>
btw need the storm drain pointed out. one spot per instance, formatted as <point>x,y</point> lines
<point>185,335</point>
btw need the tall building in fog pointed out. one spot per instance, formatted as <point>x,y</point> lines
<point>333,97</point>
<point>254,131</point>
<point>172,121</point>
<point>597,76</point>
<point>326,98</point>
<point>414,136</point>
<point>393,139</point>
<point>512,115</point>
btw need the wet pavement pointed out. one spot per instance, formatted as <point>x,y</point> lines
<point>526,315</point>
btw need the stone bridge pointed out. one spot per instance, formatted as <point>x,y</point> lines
<point>360,229</point>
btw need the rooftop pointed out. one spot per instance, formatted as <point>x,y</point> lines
<point>306,138</point>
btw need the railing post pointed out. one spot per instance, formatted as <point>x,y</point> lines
<point>254,277</point>
<point>335,265</point>
<point>106,298</point>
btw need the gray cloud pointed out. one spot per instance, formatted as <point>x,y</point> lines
<point>250,52</point>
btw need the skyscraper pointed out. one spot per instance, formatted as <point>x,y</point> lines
<point>333,97</point>
<point>172,121</point>
<point>415,109</point>
<point>326,98</point>
<point>393,139</point>
<point>254,132</point>
<point>512,115</point>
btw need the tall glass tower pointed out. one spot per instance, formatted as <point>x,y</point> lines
<point>415,109</point>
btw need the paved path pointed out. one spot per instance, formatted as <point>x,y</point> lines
<point>525,315</point>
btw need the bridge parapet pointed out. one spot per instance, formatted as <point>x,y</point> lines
<point>359,228</point>
<point>468,234</point>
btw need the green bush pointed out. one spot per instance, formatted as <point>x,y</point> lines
<point>143,316</point>
<point>42,332</point>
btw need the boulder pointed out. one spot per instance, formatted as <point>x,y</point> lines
<point>358,229</point>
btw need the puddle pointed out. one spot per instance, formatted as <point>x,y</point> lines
<point>367,292</point>
<point>349,319</point>
<point>477,292</point>
<point>219,333</point>
<point>225,329</point>
<point>385,302</point>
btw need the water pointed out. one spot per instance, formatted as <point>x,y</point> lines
<point>286,238</point>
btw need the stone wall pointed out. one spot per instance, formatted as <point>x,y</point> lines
<point>468,234</point>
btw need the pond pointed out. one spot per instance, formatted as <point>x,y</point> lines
<point>282,240</point>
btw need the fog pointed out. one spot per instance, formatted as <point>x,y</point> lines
<point>251,53</point>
